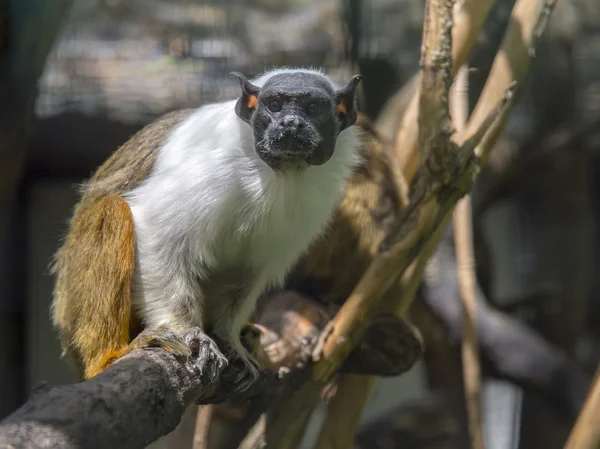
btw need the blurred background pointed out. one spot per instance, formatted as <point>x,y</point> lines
<point>77,79</point>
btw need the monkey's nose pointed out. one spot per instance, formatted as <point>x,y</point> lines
<point>290,123</point>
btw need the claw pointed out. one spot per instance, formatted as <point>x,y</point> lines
<point>203,351</point>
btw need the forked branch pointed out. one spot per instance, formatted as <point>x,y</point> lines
<point>432,203</point>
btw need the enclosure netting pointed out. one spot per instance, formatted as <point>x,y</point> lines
<point>131,60</point>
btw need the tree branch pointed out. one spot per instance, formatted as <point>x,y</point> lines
<point>468,21</point>
<point>527,25</point>
<point>137,400</point>
<point>418,232</point>
<point>465,262</point>
<point>134,413</point>
<point>202,427</point>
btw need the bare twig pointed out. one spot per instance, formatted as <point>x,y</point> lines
<point>470,347</point>
<point>415,232</point>
<point>465,261</point>
<point>527,24</point>
<point>345,410</point>
<point>469,19</point>
<point>586,433</point>
<point>202,427</point>
<point>256,437</point>
<point>471,143</point>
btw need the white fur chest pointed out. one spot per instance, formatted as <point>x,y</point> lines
<point>211,204</point>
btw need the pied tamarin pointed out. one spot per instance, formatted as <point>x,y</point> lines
<point>186,225</point>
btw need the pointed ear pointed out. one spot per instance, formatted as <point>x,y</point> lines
<point>344,102</point>
<point>248,101</point>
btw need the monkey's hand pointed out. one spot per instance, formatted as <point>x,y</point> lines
<point>238,352</point>
<point>193,343</point>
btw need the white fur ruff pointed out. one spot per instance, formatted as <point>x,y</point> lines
<point>211,204</point>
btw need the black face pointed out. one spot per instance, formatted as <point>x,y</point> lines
<point>296,117</point>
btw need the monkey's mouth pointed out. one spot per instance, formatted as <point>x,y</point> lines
<point>293,143</point>
<point>292,151</point>
<point>298,147</point>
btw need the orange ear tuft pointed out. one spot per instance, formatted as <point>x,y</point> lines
<point>341,108</point>
<point>252,101</point>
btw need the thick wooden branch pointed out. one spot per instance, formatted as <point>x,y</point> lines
<point>143,396</point>
<point>134,402</point>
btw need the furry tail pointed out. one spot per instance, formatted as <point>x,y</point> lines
<point>92,297</point>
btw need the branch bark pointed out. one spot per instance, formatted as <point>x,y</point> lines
<point>465,262</point>
<point>133,414</point>
<point>137,400</point>
<point>468,21</point>
<point>202,427</point>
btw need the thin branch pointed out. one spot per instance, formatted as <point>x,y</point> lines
<point>465,261</point>
<point>469,18</point>
<point>586,432</point>
<point>493,115</point>
<point>526,27</point>
<point>256,437</point>
<point>470,347</point>
<point>434,123</point>
<point>344,412</point>
<point>367,297</point>
<point>202,427</point>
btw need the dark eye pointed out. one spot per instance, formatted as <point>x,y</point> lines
<point>314,108</point>
<point>274,105</point>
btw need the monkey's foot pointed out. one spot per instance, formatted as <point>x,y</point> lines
<point>194,343</point>
<point>245,370</point>
<point>248,370</point>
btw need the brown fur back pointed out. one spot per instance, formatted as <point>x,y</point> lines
<point>95,264</point>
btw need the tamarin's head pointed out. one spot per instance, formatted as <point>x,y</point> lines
<point>296,116</point>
